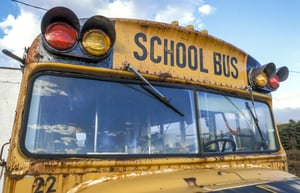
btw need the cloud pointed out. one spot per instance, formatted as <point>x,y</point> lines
<point>171,13</point>
<point>206,10</point>
<point>19,31</point>
<point>119,9</point>
<point>162,11</point>
<point>282,100</point>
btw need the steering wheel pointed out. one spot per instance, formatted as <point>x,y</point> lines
<point>216,141</point>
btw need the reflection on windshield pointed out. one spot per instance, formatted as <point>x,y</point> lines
<point>227,125</point>
<point>83,116</point>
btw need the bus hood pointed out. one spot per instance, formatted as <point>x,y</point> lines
<point>198,180</point>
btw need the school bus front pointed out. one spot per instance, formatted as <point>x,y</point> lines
<point>119,105</point>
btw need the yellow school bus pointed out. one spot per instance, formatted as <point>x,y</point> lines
<point>124,105</point>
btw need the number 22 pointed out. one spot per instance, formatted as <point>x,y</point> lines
<point>40,183</point>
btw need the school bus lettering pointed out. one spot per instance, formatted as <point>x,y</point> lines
<point>169,52</point>
<point>182,56</point>
<point>174,53</point>
<point>143,54</point>
<point>225,65</point>
<point>155,59</point>
<point>137,106</point>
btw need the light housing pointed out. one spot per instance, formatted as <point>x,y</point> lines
<point>258,77</point>
<point>267,78</point>
<point>281,75</point>
<point>60,28</point>
<point>98,36</point>
<point>66,38</point>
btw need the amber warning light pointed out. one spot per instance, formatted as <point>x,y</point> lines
<point>267,77</point>
<point>62,35</point>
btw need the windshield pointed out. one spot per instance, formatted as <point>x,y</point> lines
<point>85,116</point>
<point>79,116</point>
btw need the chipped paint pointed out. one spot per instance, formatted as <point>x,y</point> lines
<point>161,53</point>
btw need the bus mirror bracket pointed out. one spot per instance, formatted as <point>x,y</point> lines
<point>13,56</point>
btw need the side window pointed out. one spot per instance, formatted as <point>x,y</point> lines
<point>228,125</point>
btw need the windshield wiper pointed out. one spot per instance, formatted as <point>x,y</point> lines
<point>152,90</point>
<point>264,142</point>
<point>255,118</point>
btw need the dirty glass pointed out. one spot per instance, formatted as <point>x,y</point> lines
<point>72,116</point>
<point>230,124</point>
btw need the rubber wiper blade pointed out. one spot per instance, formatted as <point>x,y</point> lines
<point>264,141</point>
<point>152,90</point>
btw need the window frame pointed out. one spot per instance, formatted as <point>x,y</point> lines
<point>96,78</point>
<point>194,89</point>
<point>220,93</point>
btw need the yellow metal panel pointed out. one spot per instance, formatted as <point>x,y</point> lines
<point>171,51</point>
<point>202,180</point>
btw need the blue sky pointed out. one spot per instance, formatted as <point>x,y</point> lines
<point>269,30</point>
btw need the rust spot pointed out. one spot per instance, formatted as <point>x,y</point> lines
<point>144,26</point>
<point>38,56</point>
<point>165,74</point>
<point>191,181</point>
<point>31,56</point>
